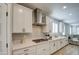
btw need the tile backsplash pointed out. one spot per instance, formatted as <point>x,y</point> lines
<point>17,38</point>
<point>26,37</point>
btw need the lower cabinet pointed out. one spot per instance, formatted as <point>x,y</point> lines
<point>25,51</point>
<point>44,48</point>
<point>57,44</point>
<point>61,43</point>
<point>52,47</point>
<point>65,42</point>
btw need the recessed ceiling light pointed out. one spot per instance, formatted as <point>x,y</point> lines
<point>70,14</point>
<point>64,7</point>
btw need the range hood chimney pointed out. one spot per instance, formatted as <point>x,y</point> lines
<point>40,17</point>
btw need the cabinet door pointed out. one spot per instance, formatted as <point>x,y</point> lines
<point>30,51</point>
<point>28,20</point>
<point>25,51</point>
<point>52,47</point>
<point>65,42</point>
<point>61,43</point>
<point>43,49</point>
<point>58,44</point>
<point>18,18</point>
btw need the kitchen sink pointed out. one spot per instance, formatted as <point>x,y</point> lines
<point>39,40</point>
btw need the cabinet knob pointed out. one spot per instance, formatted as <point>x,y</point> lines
<point>44,49</point>
<point>26,49</point>
<point>61,42</point>
<point>23,29</point>
<point>26,54</point>
<point>54,44</point>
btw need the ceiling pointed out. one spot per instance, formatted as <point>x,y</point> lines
<point>68,12</point>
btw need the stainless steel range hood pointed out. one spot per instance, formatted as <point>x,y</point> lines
<point>40,17</point>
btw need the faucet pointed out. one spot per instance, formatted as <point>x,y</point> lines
<point>47,35</point>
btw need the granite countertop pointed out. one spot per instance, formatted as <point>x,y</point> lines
<point>54,38</point>
<point>23,45</point>
<point>31,43</point>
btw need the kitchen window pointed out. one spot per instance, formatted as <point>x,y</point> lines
<point>70,30</point>
<point>74,29</point>
<point>60,27</point>
<point>77,30</point>
<point>64,29</point>
<point>55,27</point>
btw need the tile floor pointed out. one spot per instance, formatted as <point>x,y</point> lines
<point>68,50</point>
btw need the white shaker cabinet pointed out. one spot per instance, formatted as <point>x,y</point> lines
<point>52,46</point>
<point>57,44</point>
<point>28,20</point>
<point>22,19</point>
<point>65,42</point>
<point>26,51</point>
<point>43,49</point>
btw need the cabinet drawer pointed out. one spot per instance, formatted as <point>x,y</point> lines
<point>30,49</point>
<point>18,52</point>
<point>25,51</point>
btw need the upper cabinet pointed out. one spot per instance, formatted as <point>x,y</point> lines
<point>22,19</point>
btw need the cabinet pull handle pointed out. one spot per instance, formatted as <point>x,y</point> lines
<point>23,29</point>
<point>26,49</point>
<point>54,44</point>
<point>44,49</point>
<point>26,54</point>
<point>61,42</point>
